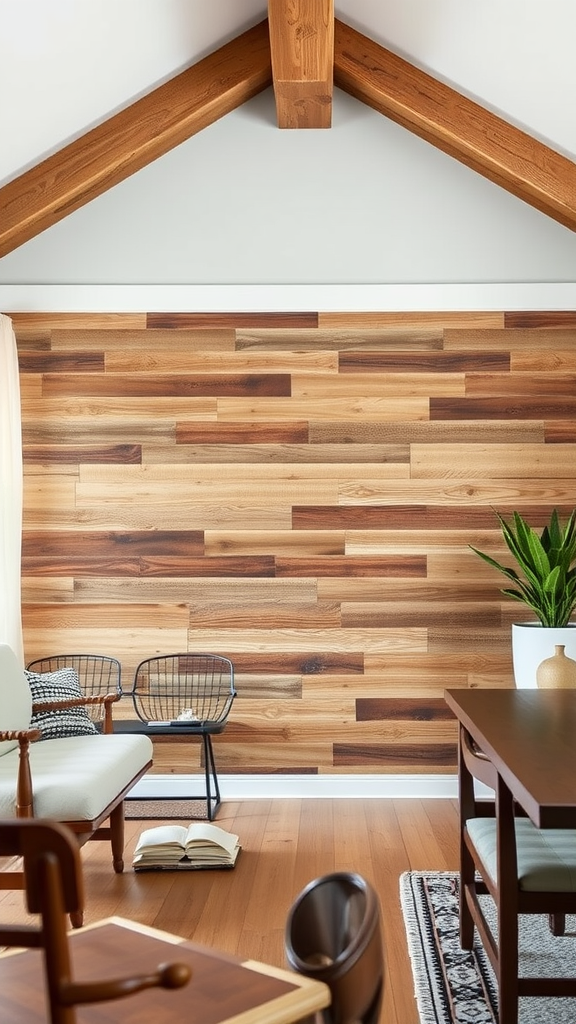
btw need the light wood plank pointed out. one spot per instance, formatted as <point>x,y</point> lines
<point>408,321</point>
<point>533,461</point>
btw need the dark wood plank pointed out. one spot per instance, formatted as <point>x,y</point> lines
<point>184,385</point>
<point>306,663</point>
<point>429,755</point>
<point>77,454</point>
<point>422,362</point>
<point>242,433</point>
<point>416,709</point>
<point>109,544</point>
<point>560,432</point>
<point>179,321</point>
<point>359,565</point>
<point>60,362</point>
<point>507,407</point>
<point>537,320</point>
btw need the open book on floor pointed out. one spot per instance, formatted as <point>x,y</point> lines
<point>177,847</point>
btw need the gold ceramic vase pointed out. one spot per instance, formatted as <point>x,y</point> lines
<point>557,671</point>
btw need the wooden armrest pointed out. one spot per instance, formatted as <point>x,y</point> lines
<point>105,699</point>
<point>170,975</point>
<point>20,734</point>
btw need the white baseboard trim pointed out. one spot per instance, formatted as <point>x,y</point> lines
<point>255,787</point>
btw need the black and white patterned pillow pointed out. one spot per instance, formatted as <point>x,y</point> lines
<point>59,685</point>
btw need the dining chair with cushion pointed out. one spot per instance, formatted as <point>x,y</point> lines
<point>525,870</point>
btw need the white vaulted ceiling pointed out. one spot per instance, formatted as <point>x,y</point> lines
<point>245,203</point>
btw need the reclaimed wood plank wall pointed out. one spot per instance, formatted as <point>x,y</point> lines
<point>299,493</point>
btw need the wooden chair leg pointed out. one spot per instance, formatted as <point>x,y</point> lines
<point>557,923</point>
<point>467,873</point>
<point>117,837</point>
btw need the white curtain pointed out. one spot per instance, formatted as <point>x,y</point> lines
<point>11,478</point>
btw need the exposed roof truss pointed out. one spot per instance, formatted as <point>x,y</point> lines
<point>216,85</point>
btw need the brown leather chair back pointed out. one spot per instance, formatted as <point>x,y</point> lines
<point>333,934</point>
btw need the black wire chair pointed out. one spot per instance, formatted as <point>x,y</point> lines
<point>97,676</point>
<point>189,694</point>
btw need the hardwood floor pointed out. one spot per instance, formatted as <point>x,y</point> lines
<point>285,843</point>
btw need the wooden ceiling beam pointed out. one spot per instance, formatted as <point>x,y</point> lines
<point>465,130</point>
<point>134,137</point>
<point>302,46</point>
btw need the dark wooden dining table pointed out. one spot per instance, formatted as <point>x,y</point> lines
<point>530,738</point>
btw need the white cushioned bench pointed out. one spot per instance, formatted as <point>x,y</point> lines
<point>79,780</point>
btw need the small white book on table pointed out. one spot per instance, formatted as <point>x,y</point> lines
<point>192,848</point>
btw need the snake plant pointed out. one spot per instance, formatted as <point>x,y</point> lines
<point>545,573</point>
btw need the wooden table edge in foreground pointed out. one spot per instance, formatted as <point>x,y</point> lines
<point>294,998</point>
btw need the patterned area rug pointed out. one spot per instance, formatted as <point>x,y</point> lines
<point>456,986</point>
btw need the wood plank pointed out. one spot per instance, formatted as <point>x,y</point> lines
<point>534,360</point>
<point>165,359</point>
<point>509,406</point>
<point>402,338</point>
<point>241,433</point>
<point>560,432</point>
<point>241,542</point>
<point>360,565</point>
<point>422,362</point>
<point>302,51</point>
<point>540,319</point>
<point>312,614</point>
<point>193,340</point>
<point>453,123</point>
<point>352,408</point>
<point>433,490</point>
<point>370,709</point>
<point>370,615</point>
<point>173,590</point>
<point>409,320</point>
<point>279,452</point>
<point>538,384</point>
<point>54,455</point>
<point>376,385</point>
<point>104,544</point>
<point>374,433</point>
<point>534,461</point>
<point>60,362</point>
<point>185,321</point>
<point>23,322</point>
<point>133,138</point>
<point>397,755</point>
<point>167,385</point>
<point>512,339</point>
<point>309,641</point>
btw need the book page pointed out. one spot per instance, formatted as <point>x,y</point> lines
<point>163,835</point>
<point>203,833</point>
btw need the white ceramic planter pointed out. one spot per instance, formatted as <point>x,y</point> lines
<point>531,643</point>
